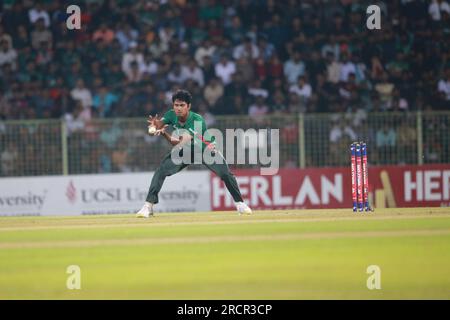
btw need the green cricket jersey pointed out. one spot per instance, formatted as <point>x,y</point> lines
<point>195,125</point>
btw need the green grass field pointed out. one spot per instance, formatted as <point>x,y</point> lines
<point>292,254</point>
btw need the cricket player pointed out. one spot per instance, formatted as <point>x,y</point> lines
<point>181,118</point>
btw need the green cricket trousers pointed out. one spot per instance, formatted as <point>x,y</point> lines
<point>168,168</point>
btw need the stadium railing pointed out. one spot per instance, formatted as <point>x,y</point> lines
<point>57,147</point>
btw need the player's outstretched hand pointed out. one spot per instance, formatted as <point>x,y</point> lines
<point>152,121</point>
<point>155,121</point>
<point>161,131</point>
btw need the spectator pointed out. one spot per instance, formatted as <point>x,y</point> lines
<point>210,120</point>
<point>210,10</point>
<point>5,37</point>
<point>158,48</point>
<point>347,68</point>
<point>237,106</point>
<point>199,33</point>
<point>236,87</point>
<point>76,120</point>
<point>207,49</point>
<point>224,69</point>
<point>341,134</point>
<point>259,109</point>
<point>246,69</point>
<point>275,67</point>
<point>295,104</point>
<point>331,48</point>
<point>9,158</point>
<point>324,93</point>
<point>333,69</point>
<point>43,103</point>
<point>104,34</point>
<point>37,13</point>
<point>134,74</point>
<point>103,102</point>
<point>302,88</point>
<point>346,90</point>
<point>133,55</point>
<point>377,69</point>
<point>235,32</point>
<point>120,159</point>
<point>5,106</point>
<point>7,55</point>
<point>208,68</point>
<point>149,65</point>
<point>398,66</point>
<point>44,54</point>
<point>126,35</point>
<point>385,141</point>
<point>193,72</point>
<point>215,30</point>
<point>7,77</point>
<point>17,16</point>
<point>276,31</point>
<point>257,90</point>
<point>315,65</point>
<point>246,49</point>
<point>407,142</point>
<point>294,68</point>
<point>278,105</point>
<point>385,89</point>
<point>22,40</point>
<point>436,8</point>
<point>266,49</point>
<point>342,129</point>
<point>397,103</point>
<point>175,76</point>
<point>360,69</point>
<point>260,69</point>
<point>82,94</point>
<point>41,34</point>
<point>166,34</point>
<point>213,91</point>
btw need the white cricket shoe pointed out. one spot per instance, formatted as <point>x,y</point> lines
<point>243,208</point>
<point>146,211</point>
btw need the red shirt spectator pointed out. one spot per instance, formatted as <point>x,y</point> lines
<point>104,33</point>
<point>260,69</point>
<point>275,67</point>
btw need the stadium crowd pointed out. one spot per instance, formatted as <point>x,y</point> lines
<point>237,57</point>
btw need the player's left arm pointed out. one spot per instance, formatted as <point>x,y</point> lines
<point>206,137</point>
<point>170,138</point>
<point>173,140</point>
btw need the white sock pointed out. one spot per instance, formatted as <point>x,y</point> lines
<point>148,204</point>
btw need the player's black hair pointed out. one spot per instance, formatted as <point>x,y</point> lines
<point>182,95</point>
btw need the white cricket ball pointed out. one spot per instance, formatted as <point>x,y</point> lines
<point>151,130</point>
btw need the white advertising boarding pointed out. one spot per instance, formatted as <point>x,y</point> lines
<point>102,194</point>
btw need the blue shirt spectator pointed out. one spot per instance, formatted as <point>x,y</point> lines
<point>294,68</point>
<point>103,101</point>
